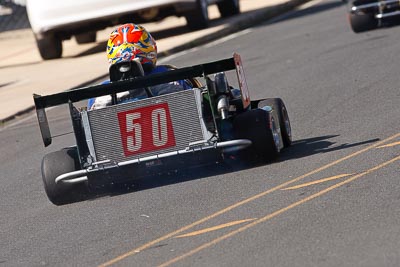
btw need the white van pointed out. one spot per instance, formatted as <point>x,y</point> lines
<point>55,21</point>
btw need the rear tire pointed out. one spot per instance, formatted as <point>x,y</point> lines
<point>260,127</point>
<point>228,8</point>
<point>55,164</point>
<point>198,18</point>
<point>284,121</point>
<point>49,46</point>
<point>85,38</point>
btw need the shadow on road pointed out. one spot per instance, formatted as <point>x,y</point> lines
<point>158,35</point>
<point>12,17</point>
<point>322,7</point>
<point>299,149</point>
<point>17,19</point>
<point>176,31</point>
<point>316,145</point>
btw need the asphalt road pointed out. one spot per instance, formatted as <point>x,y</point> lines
<point>333,199</point>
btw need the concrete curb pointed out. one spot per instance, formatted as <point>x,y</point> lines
<point>248,21</point>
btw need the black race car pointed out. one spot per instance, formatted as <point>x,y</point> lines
<point>127,141</point>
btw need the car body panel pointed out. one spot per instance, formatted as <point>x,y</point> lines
<point>47,15</point>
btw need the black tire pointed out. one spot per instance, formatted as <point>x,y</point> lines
<point>228,8</point>
<point>55,164</point>
<point>284,121</point>
<point>362,22</point>
<point>85,38</point>
<point>49,46</point>
<point>260,127</point>
<point>198,18</point>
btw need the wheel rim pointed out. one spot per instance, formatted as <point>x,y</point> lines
<point>286,122</point>
<point>275,134</point>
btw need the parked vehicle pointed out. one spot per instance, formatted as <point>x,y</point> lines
<point>55,21</point>
<point>365,15</point>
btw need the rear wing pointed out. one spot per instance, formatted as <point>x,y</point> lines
<point>75,95</point>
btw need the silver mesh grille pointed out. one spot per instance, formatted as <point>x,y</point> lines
<point>107,134</point>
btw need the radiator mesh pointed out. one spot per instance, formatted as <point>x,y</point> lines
<point>106,133</point>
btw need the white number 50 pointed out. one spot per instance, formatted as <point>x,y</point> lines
<point>159,123</point>
<point>134,143</point>
<point>159,129</point>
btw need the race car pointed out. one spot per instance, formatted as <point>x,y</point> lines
<point>365,15</point>
<point>140,139</point>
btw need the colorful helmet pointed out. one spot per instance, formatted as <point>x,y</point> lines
<point>130,41</point>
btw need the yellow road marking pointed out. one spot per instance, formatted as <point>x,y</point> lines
<point>214,228</point>
<point>390,145</point>
<point>276,213</point>
<point>318,181</point>
<point>241,203</point>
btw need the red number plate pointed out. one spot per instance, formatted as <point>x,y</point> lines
<point>146,129</point>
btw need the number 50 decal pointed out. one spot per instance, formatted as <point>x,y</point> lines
<point>146,129</point>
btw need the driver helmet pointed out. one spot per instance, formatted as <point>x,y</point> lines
<point>129,42</point>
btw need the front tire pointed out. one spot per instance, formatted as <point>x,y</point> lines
<point>228,8</point>
<point>55,164</point>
